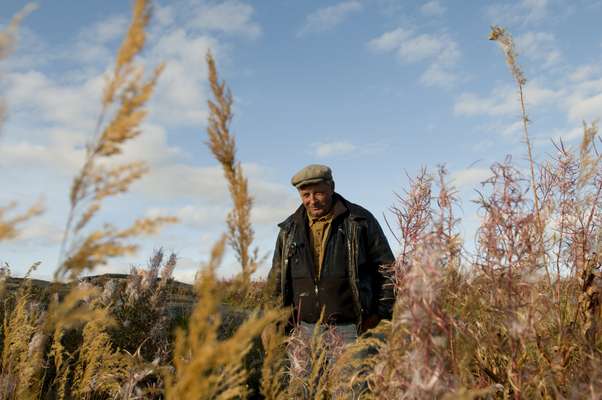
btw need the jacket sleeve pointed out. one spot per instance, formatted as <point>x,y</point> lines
<point>382,259</point>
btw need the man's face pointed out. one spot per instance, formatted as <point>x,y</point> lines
<point>317,198</point>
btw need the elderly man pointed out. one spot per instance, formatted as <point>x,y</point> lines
<point>329,257</point>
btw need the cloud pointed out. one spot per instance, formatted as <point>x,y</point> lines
<point>23,154</point>
<point>437,75</point>
<point>327,18</point>
<point>439,51</point>
<point>41,233</point>
<point>583,100</point>
<point>230,17</point>
<point>211,215</point>
<point>470,177</point>
<point>164,15</point>
<point>323,150</point>
<point>523,12</point>
<point>391,40</point>
<point>181,96</point>
<point>30,51</point>
<point>433,9</point>
<point>71,105</point>
<point>568,135</point>
<point>502,100</point>
<point>584,72</point>
<point>107,30</point>
<point>540,47</point>
<point>588,108</point>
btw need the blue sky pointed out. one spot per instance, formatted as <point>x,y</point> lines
<point>373,89</point>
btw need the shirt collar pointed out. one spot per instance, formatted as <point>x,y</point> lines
<point>337,209</point>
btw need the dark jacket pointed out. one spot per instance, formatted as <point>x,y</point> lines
<point>352,284</point>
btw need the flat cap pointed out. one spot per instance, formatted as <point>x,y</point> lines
<point>312,173</point>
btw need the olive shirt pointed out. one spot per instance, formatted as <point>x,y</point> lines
<point>320,227</point>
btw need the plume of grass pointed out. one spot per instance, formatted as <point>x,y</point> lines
<point>99,366</point>
<point>143,325</point>
<point>23,344</point>
<point>274,366</point>
<point>10,222</point>
<point>418,359</point>
<point>504,39</point>
<point>206,367</point>
<point>311,356</point>
<point>223,146</point>
<point>126,91</point>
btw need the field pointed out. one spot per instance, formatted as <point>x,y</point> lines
<point>518,318</point>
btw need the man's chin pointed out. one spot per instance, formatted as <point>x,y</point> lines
<point>317,213</point>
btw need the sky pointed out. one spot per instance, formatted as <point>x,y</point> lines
<point>376,89</point>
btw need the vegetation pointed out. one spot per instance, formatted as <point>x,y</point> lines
<point>520,318</point>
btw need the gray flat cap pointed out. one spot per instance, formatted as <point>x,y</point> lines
<point>312,173</point>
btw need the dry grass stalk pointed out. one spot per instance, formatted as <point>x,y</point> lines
<point>8,36</point>
<point>504,39</point>
<point>418,359</point>
<point>206,367</point>
<point>274,366</point>
<point>311,357</point>
<point>9,225</point>
<point>95,182</point>
<point>23,346</point>
<point>223,146</point>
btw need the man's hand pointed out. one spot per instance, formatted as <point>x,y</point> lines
<point>369,322</point>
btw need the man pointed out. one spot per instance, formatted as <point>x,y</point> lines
<point>329,257</point>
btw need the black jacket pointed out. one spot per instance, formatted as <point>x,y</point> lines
<point>352,284</point>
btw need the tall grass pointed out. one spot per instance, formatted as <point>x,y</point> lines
<point>520,318</point>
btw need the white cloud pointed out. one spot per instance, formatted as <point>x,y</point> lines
<point>164,15</point>
<point>503,100</point>
<point>584,72</point>
<point>438,50</point>
<point>391,40</point>
<point>107,30</point>
<point>329,17</point>
<point>40,232</point>
<point>30,51</point>
<point>540,47</point>
<point>536,9</point>
<point>180,97</point>
<point>194,216</point>
<point>33,93</point>
<point>566,136</point>
<point>323,150</point>
<point>420,47</point>
<point>433,9</point>
<point>27,155</point>
<point>436,75</point>
<point>583,100</point>
<point>265,211</point>
<point>588,108</point>
<point>230,17</point>
<point>523,12</point>
<point>92,43</point>
<point>470,177</point>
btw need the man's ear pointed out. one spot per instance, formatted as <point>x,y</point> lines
<point>332,184</point>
